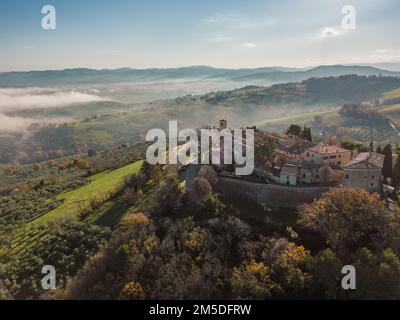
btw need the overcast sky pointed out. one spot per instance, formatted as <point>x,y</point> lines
<point>173,33</point>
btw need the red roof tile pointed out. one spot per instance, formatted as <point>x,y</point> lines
<point>320,149</point>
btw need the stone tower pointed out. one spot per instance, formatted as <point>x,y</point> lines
<point>223,124</point>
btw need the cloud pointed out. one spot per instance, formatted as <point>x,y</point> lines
<point>222,39</point>
<point>329,32</point>
<point>386,54</point>
<point>377,56</point>
<point>236,21</point>
<point>250,45</point>
<point>14,99</point>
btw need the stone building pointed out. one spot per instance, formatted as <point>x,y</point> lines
<point>364,172</point>
<point>312,172</point>
<point>281,157</point>
<point>289,174</point>
<point>223,124</point>
<point>335,156</point>
<point>308,173</point>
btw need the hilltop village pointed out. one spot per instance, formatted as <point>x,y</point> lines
<point>291,159</point>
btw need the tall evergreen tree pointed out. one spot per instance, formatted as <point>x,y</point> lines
<point>388,162</point>
<point>306,134</point>
<point>294,129</point>
<point>396,173</point>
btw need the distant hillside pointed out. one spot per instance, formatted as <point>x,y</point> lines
<point>393,66</point>
<point>106,76</point>
<point>102,124</point>
<point>318,72</point>
<point>313,91</point>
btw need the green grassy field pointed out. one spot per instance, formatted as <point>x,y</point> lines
<point>299,118</point>
<point>83,132</point>
<point>102,185</point>
<point>392,112</point>
<point>392,94</point>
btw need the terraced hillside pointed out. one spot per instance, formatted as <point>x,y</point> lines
<point>100,189</point>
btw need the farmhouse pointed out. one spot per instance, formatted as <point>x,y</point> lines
<point>335,156</point>
<point>365,172</point>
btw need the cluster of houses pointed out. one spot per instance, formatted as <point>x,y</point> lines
<point>302,163</point>
<point>299,162</point>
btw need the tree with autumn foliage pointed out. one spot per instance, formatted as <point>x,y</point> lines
<point>207,172</point>
<point>132,291</point>
<point>251,280</point>
<point>350,219</point>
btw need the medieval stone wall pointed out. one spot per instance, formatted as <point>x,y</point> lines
<point>269,194</point>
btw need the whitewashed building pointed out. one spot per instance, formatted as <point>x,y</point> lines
<point>289,174</point>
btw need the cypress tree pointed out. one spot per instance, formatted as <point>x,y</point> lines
<point>388,162</point>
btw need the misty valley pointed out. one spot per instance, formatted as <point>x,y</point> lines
<point>45,123</point>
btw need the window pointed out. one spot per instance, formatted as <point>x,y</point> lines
<point>308,154</point>
<point>372,184</point>
<point>304,175</point>
<point>317,177</point>
<point>373,177</point>
<point>347,176</point>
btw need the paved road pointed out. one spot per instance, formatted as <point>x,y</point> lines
<point>189,175</point>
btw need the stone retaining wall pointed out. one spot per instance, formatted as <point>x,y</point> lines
<point>273,194</point>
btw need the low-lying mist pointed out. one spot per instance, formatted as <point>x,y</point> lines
<point>31,98</point>
<point>13,124</point>
<point>19,99</point>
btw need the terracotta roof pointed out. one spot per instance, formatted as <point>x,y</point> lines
<point>321,149</point>
<point>285,153</point>
<point>366,160</point>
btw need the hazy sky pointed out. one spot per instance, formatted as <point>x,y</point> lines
<point>172,33</point>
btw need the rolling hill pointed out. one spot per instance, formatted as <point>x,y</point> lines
<point>271,107</point>
<point>83,76</point>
